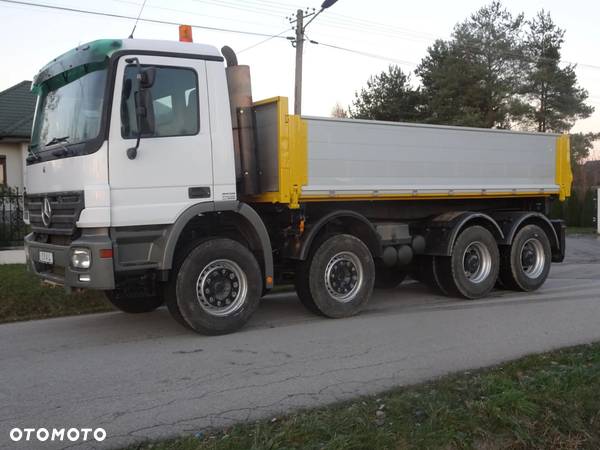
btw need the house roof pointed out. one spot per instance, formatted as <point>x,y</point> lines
<point>17,106</point>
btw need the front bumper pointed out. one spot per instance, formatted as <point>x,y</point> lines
<point>100,273</point>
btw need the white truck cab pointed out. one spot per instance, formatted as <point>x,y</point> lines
<point>153,176</point>
<point>96,116</point>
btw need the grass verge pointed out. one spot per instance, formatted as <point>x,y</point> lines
<point>24,297</point>
<point>548,401</point>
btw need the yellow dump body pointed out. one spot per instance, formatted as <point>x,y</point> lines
<point>305,159</point>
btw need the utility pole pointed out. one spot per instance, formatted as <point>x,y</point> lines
<point>299,51</point>
<point>299,44</point>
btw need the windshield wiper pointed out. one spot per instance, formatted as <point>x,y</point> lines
<point>62,151</point>
<point>57,140</point>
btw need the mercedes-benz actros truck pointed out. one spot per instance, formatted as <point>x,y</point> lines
<point>154,176</point>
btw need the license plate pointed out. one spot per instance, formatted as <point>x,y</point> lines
<point>46,257</point>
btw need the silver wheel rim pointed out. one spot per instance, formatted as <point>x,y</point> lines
<point>344,276</point>
<point>532,258</point>
<point>477,262</point>
<point>221,288</point>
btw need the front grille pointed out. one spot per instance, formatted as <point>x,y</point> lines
<point>66,208</point>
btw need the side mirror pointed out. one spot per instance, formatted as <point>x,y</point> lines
<point>144,105</point>
<point>145,110</point>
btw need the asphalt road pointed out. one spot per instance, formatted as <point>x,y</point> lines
<point>145,377</point>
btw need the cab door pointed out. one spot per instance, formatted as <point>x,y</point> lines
<point>173,166</point>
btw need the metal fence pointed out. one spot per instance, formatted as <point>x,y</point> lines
<point>12,227</point>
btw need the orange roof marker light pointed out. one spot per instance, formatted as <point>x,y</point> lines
<point>185,33</point>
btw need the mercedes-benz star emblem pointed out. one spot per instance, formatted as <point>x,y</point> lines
<point>46,212</point>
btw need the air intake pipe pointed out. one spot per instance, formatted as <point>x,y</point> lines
<point>242,120</point>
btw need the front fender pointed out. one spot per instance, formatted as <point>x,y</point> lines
<point>244,210</point>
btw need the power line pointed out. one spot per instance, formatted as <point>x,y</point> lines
<point>126,17</point>
<point>340,20</point>
<point>368,54</point>
<point>122,16</point>
<point>591,99</point>
<point>250,9</point>
<point>350,23</point>
<point>251,33</point>
<point>264,40</point>
<point>193,13</point>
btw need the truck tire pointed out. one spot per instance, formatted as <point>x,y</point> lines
<point>133,305</point>
<point>170,290</point>
<point>524,265</point>
<point>218,286</point>
<point>388,277</point>
<point>303,289</point>
<point>472,269</point>
<point>425,271</point>
<point>337,278</point>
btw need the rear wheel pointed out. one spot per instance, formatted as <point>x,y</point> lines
<point>132,304</point>
<point>218,287</point>
<point>526,263</point>
<point>472,269</point>
<point>337,279</point>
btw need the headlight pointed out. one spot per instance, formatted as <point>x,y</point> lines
<point>81,258</point>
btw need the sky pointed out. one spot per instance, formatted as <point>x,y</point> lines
<point>397,32</point>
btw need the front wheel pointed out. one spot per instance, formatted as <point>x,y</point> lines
<point>218,287</point>
<point>337,279</point>
<point>526,263</point>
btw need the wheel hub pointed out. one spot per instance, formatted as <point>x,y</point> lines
<point>477,262</point>
<point>221,287</point>
<point>472,263</point>
<point>343,276</point>
<point>533,258</point>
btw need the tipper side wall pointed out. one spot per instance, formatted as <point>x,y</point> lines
<point>348,157</point>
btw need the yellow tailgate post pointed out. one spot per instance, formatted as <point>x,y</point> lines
<point>564,176</point>
<point>298,158</point>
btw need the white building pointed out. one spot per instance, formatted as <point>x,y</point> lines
<point>17,105</point>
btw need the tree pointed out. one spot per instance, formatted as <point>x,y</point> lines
<point>555,99</point>
<point>338,111</point>
<point>472,78</point>
<point>388,96</point>
<point>451,89</point>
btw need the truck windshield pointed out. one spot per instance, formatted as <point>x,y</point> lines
<point>70,113</point>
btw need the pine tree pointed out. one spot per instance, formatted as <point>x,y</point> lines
<point>472,78</point>
<point>555,99</point>
<point>388,96</point>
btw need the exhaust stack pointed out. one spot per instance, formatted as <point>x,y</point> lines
<point>242,120</point>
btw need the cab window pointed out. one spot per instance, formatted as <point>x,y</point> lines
<point>174,101</point>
